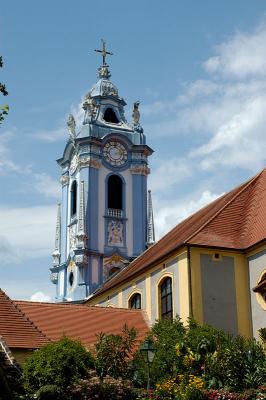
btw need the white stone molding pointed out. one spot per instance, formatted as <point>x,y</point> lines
<point>150,225</point>
<point>56,253</point>
<point>81,231</point>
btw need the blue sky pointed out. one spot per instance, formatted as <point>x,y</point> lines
<point>199,71</point>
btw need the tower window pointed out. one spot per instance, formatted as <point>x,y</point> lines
<point>73,202</point>
<point>115,187</point>
<point>110,116</point>
<point>135,301</point>
<point>71,278</point>
<point>166,298</point>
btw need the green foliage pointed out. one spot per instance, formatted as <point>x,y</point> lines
<point>114,353</point>
<point>50,392</point>
<point>3,109</point>
<point>262,335</point>
<point>61,363</point>
<point>166,334</point>
<point>219,359</point>
<point>10,379</point>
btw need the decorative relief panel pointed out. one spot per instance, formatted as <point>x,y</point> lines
<point>73,164</point>
<point>81,259</point>
<point>64,180</point>
<point>89,162</point>
<point>139,157</point>
<point>112,264</point>
<point>72,236</point>
<point>115,233</point>
<point>140,170</point>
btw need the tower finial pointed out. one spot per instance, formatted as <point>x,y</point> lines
<point>150,225</point>
<point>103,70</point>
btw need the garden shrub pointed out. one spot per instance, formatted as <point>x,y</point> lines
<point>219,359</point>
<point>50,392</point>
<point>60,363</point>
<point>114,353</point>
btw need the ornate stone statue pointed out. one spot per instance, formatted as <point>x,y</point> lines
<point>136,113</point>
<point>71,124</point>
<point>90,105</point>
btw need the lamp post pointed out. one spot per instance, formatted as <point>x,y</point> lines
<point>147,351</point>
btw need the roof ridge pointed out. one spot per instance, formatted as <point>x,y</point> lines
<point>243,187</point>
<point>23,314</point>
<point>83,307</point>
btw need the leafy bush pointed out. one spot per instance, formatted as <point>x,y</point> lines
<point>219,359</point>
<point>114,353</point>
<point>61,363</point>
<point>50,392</point>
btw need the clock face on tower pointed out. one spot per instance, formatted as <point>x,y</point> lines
<point>115,153</point>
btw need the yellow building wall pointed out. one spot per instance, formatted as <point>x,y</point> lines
<point>241,287</point>
<point>188,295</point>
<point>181,293</point>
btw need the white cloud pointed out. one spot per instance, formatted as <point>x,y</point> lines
<point>52,135</point>
<point>61,132</point>
<point>40,297</point>
<point>7,165</point>
<point>240,141</point>
<point>46,185</point>
<point>27,233</point>
<point>168,173</point>
<point>170,214</point>
<point>241,56</point>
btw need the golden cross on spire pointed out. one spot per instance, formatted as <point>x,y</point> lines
<point>104,52</point>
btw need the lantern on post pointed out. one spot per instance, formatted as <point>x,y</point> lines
<point>147,351</point>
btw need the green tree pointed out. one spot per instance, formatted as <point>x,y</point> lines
<point>61,364</point>
<point>3,109</point>
<point>114,353</point>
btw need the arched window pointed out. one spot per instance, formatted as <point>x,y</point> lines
<point>73,201</point>
<point>165,291</point>
<point>110,116</point>
<point>135,301</point>
<point>71,278</point>
<point>115,186</point>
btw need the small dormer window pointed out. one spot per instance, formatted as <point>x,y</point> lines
<point>110,116</point>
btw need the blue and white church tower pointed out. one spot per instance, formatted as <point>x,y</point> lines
<point>102,222</point>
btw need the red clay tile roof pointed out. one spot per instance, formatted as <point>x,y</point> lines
<point>236,220</point>
<point>81,321</point>
<point>16,329</point>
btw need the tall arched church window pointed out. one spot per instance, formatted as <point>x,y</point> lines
<point>166,298</point>
<point>73,201</point>
<point>135,301</point>
<point>110,116</point>
<point>115,195</point>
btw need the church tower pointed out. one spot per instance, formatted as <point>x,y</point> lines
<point>102,221</point>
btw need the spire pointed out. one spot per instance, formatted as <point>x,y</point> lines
<point>56,254</point>
<point>103,70</point>
<point>150,225</point>
<point>81,234</point>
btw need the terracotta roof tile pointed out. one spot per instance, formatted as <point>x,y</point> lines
<point>17,330</point>
<point>236,220</point>
<point>81,321</point>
